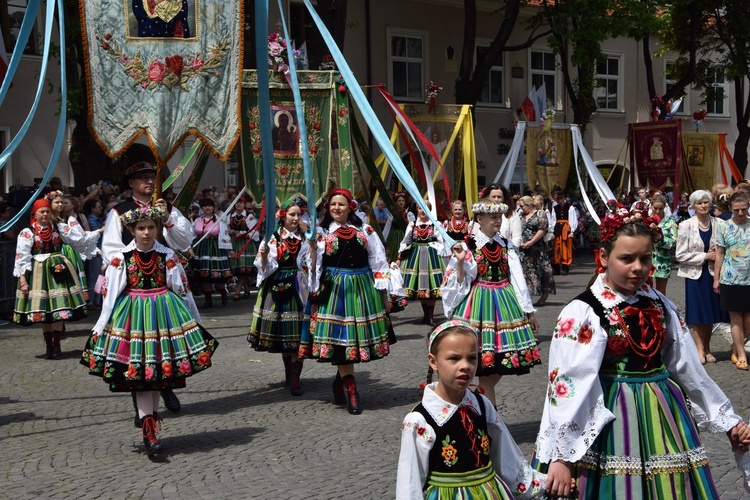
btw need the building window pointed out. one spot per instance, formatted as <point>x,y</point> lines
<point>11,18</point>
<point>717,96</point>
<point>669,82</point>
<point>406,58</point>
<point>607,93</point>
<point>493,85</point>
<point>544,71</point>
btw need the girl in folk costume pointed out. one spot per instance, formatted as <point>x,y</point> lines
<point>67,224</point>
<point>242,232</point>
<point>484,285</point>
<point>148,336</point>
<point>622,370</point>
<point>396,234</point>
<point>454,443</point>
<point>49,288</point>
<point>510,228</point>
<point>279,312</point>
<point>211,252</point>
<point>422,272</point>
<point>349,284</point>
<point>457,226</point>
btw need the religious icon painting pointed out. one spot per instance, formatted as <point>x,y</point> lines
<point>285,131</point>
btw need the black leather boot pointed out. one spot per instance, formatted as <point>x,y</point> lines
<point>48,345</point>
<point>150,426</point>
<point>296,371</point>
<point>352,396</point>
<point>170,400</point>
<point>339,396</point>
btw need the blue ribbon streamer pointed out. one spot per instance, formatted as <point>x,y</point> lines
<point>59,138</point>
<point>302,126</point>
<point>376,129</point>
<point>264,105</point>
<point>23,37</point>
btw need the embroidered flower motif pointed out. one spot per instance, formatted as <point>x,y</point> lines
<point>115,262</point>
<point>584,334</point>
<point>166,369</point>
<point>132,372</point>
<point>184,367</point>
<point>172,263</point>
<point>613,317</point>
<point>204,359</point>
<point>488,359</point>
<point>352,354</point>
<point>484,441</point>
<point>561,387</point>
<point>608,294</point>
<point>521,487</point>
<point>364,354</point>
<point>552,375</point>
<point>616,346</point>
<point>149,372</point>
<point>562,390</point>
<point>449,453</point>
<point>421,430</point>
<point>324,351</point>
<point>482,269</point>
<point>383,348</point>
<point>92,362</point>
<point>565,327</point>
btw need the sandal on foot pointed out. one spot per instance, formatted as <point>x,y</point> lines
<point>742,365</point>
<point>734,358</point>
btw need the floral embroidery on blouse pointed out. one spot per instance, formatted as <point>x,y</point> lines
<point>560,387</point>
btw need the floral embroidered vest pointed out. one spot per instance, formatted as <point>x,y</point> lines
<point>491,259</point>
<point>238,223</point>
<point>346,247</point>
<point>423,234</point>
<point>457,231</point>
<point>54,245</point>
<point>462,444</point>
<point>635,333</point>
<point>151,275</point>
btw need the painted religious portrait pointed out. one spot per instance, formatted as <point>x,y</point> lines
<point>695,156</point>
<point>162,18</point>
<point>285,131</point>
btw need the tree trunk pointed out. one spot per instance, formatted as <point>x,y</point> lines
<point>742,109</point>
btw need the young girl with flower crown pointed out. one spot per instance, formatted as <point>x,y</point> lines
<point>454,444</point>
<point>484,285</point>
<point>622,370</point>
<point>148,336</point>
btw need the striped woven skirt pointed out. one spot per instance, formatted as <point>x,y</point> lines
<point>53,296</point>
<point>79,266</point>
<point>277,327</point>
<point>480,484</point>
<point>350,326</point>
<point>507,343</point>
<point>393,242</point>
<point>151,342</point>
<point>423,272</point>
<point>243,265</point>
<point>213,262</point>
<point>652,449</point>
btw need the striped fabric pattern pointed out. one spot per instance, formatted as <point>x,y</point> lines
<point>52,297</point>
<point>78,265</point>
<point>423,272</point>
<point>393,242</point>
<point>480,484</point>
<point>213,263</point>
<point>278,327</point>
<point>243,265</point>
<point>351,326</point>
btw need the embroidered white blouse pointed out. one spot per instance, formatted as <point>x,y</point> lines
<point>85,241</point>
<point>454,292</point>
<point>438,244</point>
<point>116,280</point>
<point>25,243</point>
<point>272,259</point>
<point>418,438</point>
<point>571,422</point>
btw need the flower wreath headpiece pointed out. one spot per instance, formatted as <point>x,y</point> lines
<point>136,215</point>
<point>53,194</point>
<point>615,220</point>
<point>489,208</point>
<point>445,326</point>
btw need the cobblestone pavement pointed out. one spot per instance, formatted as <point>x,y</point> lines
<point>240,434</point>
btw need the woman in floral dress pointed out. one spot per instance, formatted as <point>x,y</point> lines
<point>484,285</point>
<point>349,285</point>
<point>243,236</point>
<point>213,260</point>
<point>664,248</point>
<point>537,268</point>
<point>422,272</point>
<point>49,288</point>
<point>279,312</point>
<point>148,336</point>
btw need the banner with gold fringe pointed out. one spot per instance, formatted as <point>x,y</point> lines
<point>701,153</point>
<point>164,69</point>
<point>548,155</point>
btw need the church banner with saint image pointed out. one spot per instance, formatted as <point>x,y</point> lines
<point>326,121</point>
<point>548,156</point>
<point>701,150</point>
<point>163,68</point>
<point>656,152</point>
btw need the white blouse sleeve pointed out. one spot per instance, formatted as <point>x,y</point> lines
<point>177,281</point>
<point>272,260</point>
<point>518,281</point>
<point>573,219</point>
<point>24,243</point>
<point>315,274</point>
<point>451,290</point>
<point>179,236</point>
<point>112,236</point>
<point>115,280</point>
<point>515,231</point>
<point>408,236</point>
<point>84,242</point>
<point>225,242</point>
<point>377,259</point>
<point>508,461</point>
<point>574,412</point>
<point>251,222</point>
<point>712,409</point>
<point>417,439</point>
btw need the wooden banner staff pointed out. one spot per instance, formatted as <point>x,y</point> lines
<point>157,187</point>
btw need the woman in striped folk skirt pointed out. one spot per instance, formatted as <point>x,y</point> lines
<point>627,392</point>
<point>422,272</point>
<point>243,234</point>
<point>396,234</point>
<point>350,279</point>
<point>212,253</point>
<point>279,312</point>
<point>49,289</point>
<point>148,336</point>
<point>485,286</point>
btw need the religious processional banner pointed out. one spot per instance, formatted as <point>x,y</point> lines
<point>164,68</point>
<point>548,154</point>
<point>656,152</point>
<point>326,116</point>
<point>701,150</point>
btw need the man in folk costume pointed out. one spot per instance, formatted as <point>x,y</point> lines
<point>567,223</point>
<point>177,233</point>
